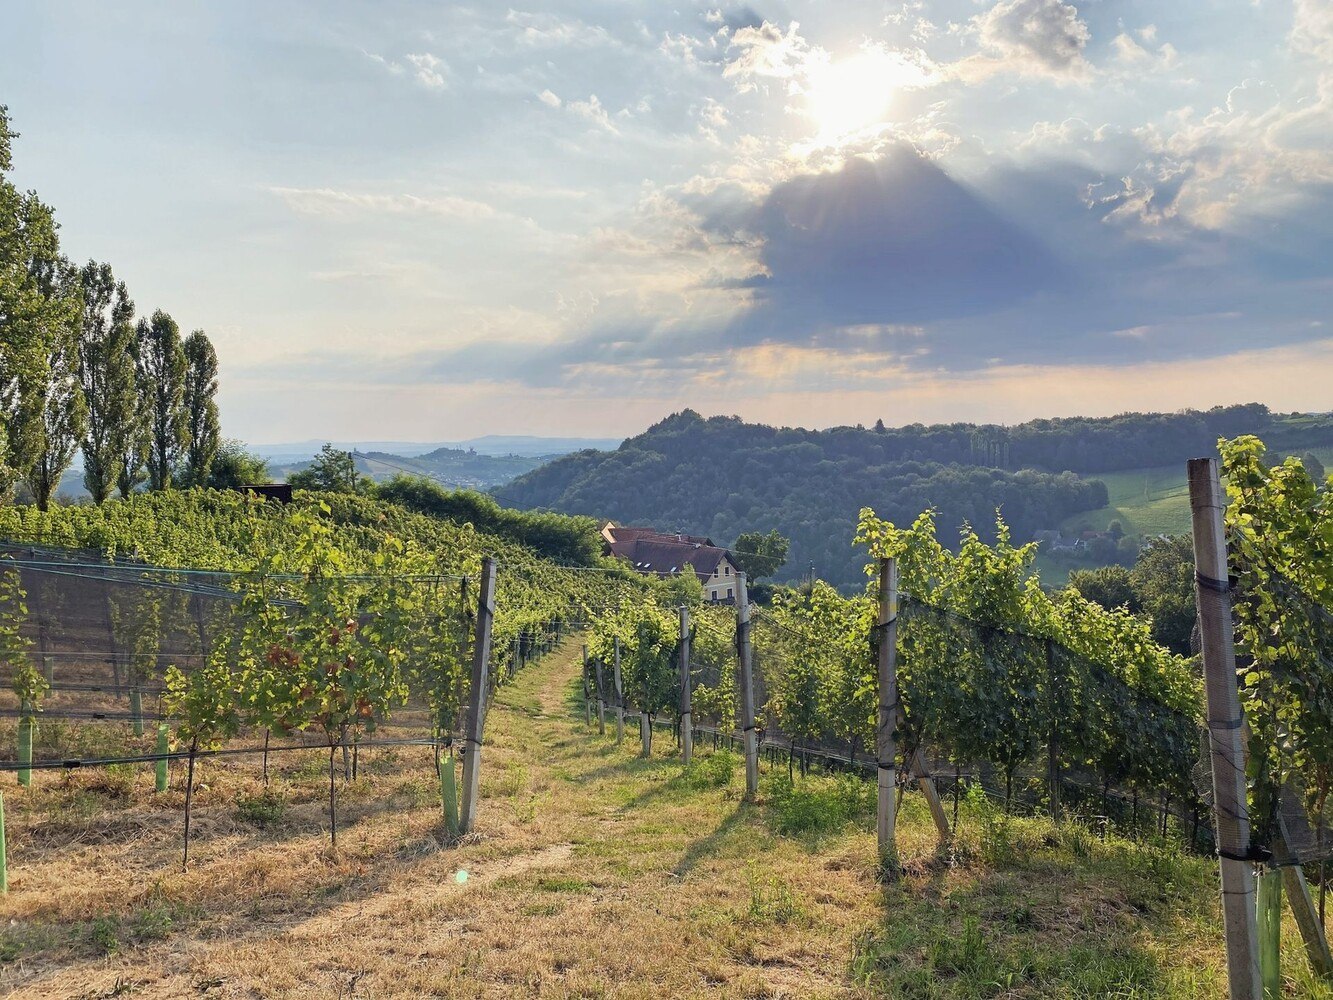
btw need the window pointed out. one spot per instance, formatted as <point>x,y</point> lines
<point>728,569</point>
<point>729,593</point>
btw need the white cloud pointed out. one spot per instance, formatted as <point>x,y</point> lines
<point>593,111</point>
<point>1312,28</point>
<point>430,69</point>
<point>331,202</point>
<point>1133,56</point>
<point>543,29</point>
<point>1028,37</point>
<point>767,51</point>
<point>427,69</point>
<point>549,99</point>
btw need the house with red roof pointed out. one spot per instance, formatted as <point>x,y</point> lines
<point>663,553</point>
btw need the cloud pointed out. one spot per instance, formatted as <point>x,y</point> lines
<point>593,111</point>
<point>766,51</point>
<point>1030,38</point>
<point>331,202</point>
<point>890,242</point>
<point>430,69</point>
<point>549,99</point>
<point>427,69</point>
<point>1134,56</point>
<point>551,30</point>
<point>1312,29</point>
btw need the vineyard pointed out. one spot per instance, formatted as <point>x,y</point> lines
<point>199,644</point>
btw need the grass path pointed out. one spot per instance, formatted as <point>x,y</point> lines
<point>597,874</point>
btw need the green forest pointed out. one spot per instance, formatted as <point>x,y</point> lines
<point>722,476</point>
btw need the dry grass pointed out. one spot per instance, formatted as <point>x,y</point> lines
<point>593,874</point>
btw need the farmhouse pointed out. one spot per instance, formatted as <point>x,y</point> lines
<point>666,554</point>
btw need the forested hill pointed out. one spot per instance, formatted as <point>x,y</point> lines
<point>722,476</point>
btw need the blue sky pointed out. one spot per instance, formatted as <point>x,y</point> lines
<point>427,221</point>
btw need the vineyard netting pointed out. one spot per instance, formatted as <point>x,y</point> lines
<point>110,662</point>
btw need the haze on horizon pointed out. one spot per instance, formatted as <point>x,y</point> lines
<point>419,222</point>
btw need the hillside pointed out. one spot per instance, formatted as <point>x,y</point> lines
<point>721,477</point>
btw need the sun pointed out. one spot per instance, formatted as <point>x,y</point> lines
<point>848,95</point>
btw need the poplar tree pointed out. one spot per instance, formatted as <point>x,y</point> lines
<point>203,432</point>
<point>160,372</point>
<point>106,374</point>
<point>59,405</point>
<point>37,307</point>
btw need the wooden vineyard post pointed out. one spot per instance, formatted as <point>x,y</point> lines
<point>926,782</point>
<point>1225,728</point>
<point>587,694</point>
<point>620,693</point>
<point>1269,897</point>
<point>4,860</point>
<point>686,725</point>
<point>481,658</point>
<point>1302,906</point>
<point>747,687</point>
<point>1053,735</point>
<point>886,735</point>
<point>601,698</point>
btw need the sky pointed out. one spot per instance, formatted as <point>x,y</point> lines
<point>427,221</point>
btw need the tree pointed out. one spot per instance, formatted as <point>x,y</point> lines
<point>160,366</point>
<point>761,555</point>
<point>1109,586</point>
<point>106,374</point>
<point>37,306</point>
<point>234,467</point>
<point>1163,582</point>
<point>1313,468</point>
<point>59,405</point>
<point>202,431</point>
<point>331,471</point>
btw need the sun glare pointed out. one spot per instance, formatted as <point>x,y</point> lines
<point>850,94</point>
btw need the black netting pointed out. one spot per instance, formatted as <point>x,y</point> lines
<point>104,634</point>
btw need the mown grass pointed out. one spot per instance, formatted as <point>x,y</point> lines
<point>594,873</point>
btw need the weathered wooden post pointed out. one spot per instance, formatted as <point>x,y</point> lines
<point>1053,733</point>
<point>587,694</point>
<point>620,693</point>
<point>1302,906</point>
<point>1226,723</point>
<point>481,658</point>
<point>886,728</point>
<point>747,687</point>
<point>601,698</point>
<point>686,725</point>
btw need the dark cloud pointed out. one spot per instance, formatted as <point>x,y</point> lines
<point>895,241</point>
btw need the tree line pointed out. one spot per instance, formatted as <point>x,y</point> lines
<point>722,477</point>
<point>79,373</point>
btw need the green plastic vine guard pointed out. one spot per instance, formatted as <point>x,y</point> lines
<point>161,765</point>
<point>136,711</point>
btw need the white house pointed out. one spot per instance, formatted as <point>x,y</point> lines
<point>665,554</point>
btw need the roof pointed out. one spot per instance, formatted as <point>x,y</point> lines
<point>664,555</point>
<point>615,533</point>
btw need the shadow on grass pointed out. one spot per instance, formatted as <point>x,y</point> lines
<point>708,846</point>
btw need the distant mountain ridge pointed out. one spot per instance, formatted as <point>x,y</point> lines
<point>721,476</point>
<point>528,445</point>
